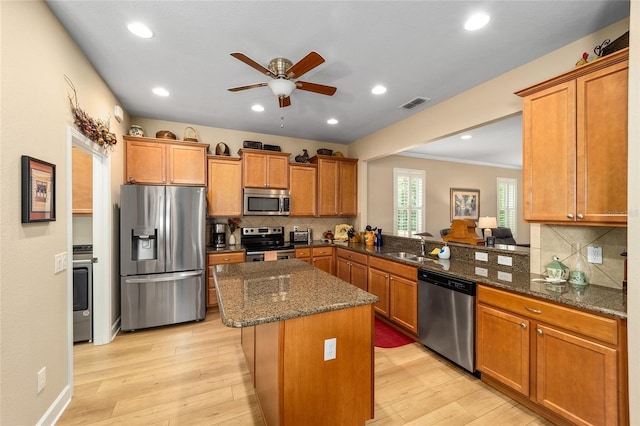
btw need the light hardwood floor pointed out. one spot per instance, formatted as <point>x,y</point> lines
<point>195,374</point>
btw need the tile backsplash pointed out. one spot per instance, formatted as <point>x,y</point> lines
<point>555,240</point>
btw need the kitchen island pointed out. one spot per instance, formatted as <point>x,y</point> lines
<point>307,337</point>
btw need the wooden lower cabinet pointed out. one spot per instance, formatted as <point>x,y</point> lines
<point>567,364</point>
<point>296,386</point>
<point>219,259</point>
<point>396,285</point>
<point>352,267</point>
<point>304,254</point>
<point>322,258</point>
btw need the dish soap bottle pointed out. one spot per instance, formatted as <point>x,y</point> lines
<point>444,253</point>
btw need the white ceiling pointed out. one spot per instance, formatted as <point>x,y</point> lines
<point>415,48</point>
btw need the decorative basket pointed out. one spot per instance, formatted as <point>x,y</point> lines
<point>165,134</point>
<point>617,44</point>
<point>222,149</point>
<point>252,144</point>
<point>190,135</point>
<point>324,151</point>
<point>271,148</point>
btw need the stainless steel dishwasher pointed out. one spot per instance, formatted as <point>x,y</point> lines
<point>446,316</point>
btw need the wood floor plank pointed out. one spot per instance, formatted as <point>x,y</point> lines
<point>195,374</point>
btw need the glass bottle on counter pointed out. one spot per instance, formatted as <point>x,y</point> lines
<point>580,269</point>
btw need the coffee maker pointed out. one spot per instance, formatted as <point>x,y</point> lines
<point>219,235</point>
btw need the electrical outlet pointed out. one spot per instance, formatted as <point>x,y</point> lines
<point>42,379</point>
<point>483,272</point>
<point>57,263</point>
<point>295,228</point>
<point>64,260</point>
<point>505,276</point>
<point>594,254</point>
<point>505,260</point>
<point>483,257</point>
<point>330,349</point>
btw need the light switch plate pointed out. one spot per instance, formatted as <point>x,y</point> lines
<point>594,254</point>
<point>330,349</point>
<point>505,260</point>
<point>505,276</point>
<point>483,272</point>
<point>484,257</point>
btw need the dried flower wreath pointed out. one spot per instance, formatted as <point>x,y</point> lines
<point>96,130</point>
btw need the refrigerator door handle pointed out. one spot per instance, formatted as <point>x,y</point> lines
<point>155,279</point>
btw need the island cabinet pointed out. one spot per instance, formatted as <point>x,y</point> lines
<point>303,180</point>
<point>82,186</point>
<point>567,364</point>
<point>214,259</point>
<point>265,169</point>
<point>162,162</point>
<point>352,267</point>
<point>337,185</point>
<point>224,186</point>
<point>575,145</point>
<point>396,285</point>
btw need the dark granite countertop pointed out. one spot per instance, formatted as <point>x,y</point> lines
<point>594,298</point>
<point>261,292</point>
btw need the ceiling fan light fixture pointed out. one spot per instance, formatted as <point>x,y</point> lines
<point>281,87</point>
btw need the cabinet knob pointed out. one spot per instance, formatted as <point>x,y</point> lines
<point>570,216</point>
<point>539,331</point>
<point>580,216</point>
<point>523,325</point>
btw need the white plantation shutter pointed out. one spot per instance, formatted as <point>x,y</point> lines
<point>408,201</point>
<point>507,203</point>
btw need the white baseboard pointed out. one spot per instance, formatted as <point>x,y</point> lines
<point>56,409</point>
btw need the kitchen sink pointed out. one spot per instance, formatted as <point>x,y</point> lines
<point>408,256</point>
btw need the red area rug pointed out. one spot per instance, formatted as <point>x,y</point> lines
<point>388,337</point>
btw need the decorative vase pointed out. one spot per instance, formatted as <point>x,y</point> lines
<point>232,238</point>
<point>369,238</point>
<point>580,269</point>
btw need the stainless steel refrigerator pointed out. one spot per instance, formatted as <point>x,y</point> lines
<point>162,255</point>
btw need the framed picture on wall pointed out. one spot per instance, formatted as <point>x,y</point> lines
<point>38,190</point>
<point>465,203</point>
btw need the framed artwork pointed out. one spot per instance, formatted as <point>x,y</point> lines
<point>38,190</point>
<point>465,203</point>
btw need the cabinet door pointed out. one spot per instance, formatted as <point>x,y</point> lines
<point>187,165</point>
<point>254,170</point>
<point>348,188</point>
<point>343,269</point>
<point>403,295</point>
<point>224,188</point>
<point>324,263</point>
<point>602,145</point>
<point>502,342</point>
<point>359,275</point>
<point>576,377</point>
<point>82,163</point>
<point>378,283</point>
<point>327,187</point>
<point>549,152</point>
<point>303,186</point>
<point>277,172</point>
<point>146,162</point>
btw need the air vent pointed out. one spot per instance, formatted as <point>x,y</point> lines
<point>414,103</point>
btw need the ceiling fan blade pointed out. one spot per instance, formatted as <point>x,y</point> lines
<point>253,64</point>
<point>305,65</point>
<point>251,86</point>
<point>284,102</point>
<point>316,88</point>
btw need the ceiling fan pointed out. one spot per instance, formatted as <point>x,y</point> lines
<point>284,74</point>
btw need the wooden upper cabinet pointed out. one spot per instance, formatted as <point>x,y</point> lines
<point>265,169</point>
<point>337,185</point>
<point>575,145</point>
<point>303,189</point>
<point>159,162</point>
<point>82,186</point>
<point>224,186</point>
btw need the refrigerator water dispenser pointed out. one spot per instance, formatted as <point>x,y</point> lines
<point>144,244</point>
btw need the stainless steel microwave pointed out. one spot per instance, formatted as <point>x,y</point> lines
<point>266,202</point>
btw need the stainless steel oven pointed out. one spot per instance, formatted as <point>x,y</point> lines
<point>265,243</point>
<point>82,293</point>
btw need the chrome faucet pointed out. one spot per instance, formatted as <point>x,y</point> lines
<point>423,247</point>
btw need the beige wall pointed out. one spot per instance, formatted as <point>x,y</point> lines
<point>440,177</point>
<point>36,54</point>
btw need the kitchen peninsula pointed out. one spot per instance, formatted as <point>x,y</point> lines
<point>307,337</point>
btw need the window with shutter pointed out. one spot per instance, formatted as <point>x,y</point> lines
<point>507,204</point>
<point>408,201</point>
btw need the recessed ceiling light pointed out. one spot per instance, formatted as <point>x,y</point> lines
<point>465,137</point>
<point>476,22</point>
<point>332,121</point>
<point>160,91</point>
<point>378,90</point>
<point>257,108</point>
<point>141,30</point>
